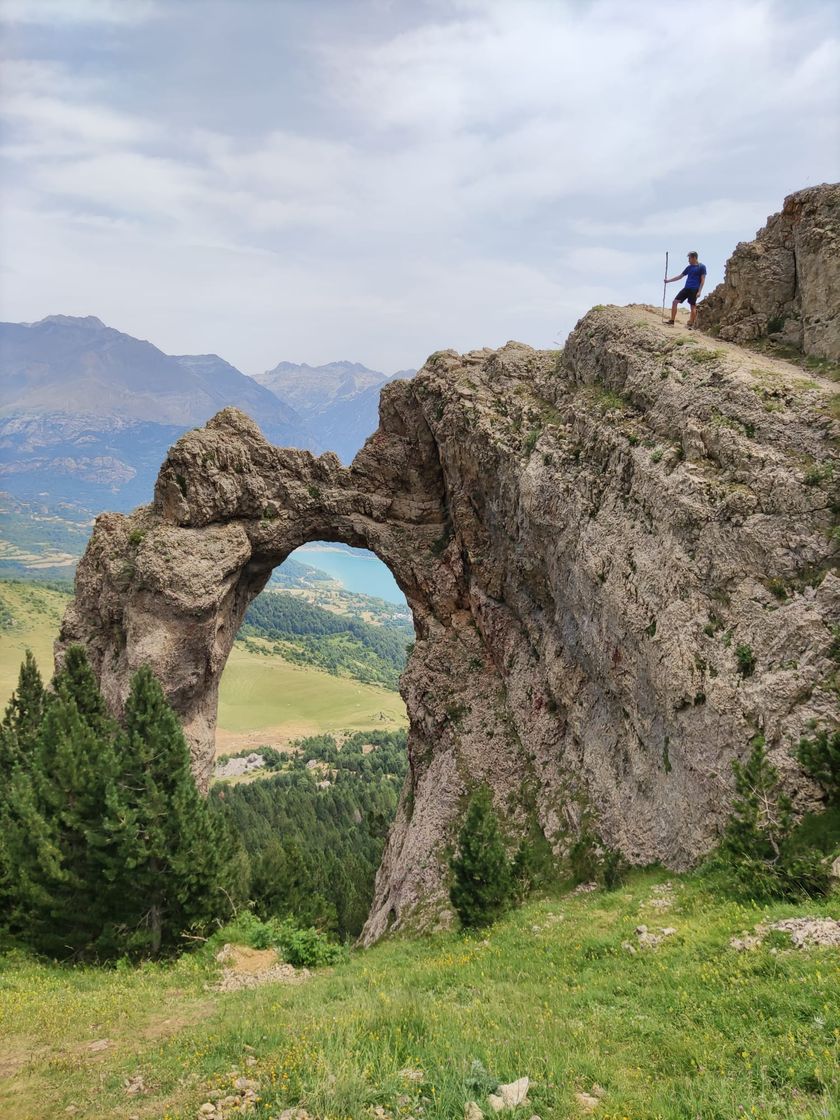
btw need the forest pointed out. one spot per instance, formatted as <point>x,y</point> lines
<point>343,644</point>
<point>313,851</point>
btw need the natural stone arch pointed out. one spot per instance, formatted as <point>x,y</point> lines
<point>169,586</point>
<point>572,532</point>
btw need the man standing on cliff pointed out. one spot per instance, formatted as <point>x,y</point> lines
<point>695,278</point>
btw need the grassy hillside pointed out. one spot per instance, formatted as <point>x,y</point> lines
<point>691,1028</point>
<point>30,614</point>
<point>340,642</point>
<point>264,693</point>
<point>263,698</point>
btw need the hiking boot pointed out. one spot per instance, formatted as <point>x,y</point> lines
<point>668,322</point>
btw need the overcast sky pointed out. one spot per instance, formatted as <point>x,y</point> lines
<point>377,179</point>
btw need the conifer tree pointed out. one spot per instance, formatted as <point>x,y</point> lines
<point>757,840</point>
<point>77,680</point>
<point>820,759</point>
<point>59,831</point>
<point>483,885</point>
<point>22,718</point>
<point>173,858</point>
<point>18,735</point>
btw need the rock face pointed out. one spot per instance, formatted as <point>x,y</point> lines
<point>786,283</point>
<point>620,560</point>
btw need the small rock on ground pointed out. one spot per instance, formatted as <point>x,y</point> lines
<point>509,1096</point>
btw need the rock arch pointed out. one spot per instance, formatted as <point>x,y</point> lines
<point>574,533</point>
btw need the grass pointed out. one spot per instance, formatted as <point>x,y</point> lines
<point>690,1029</point>
<point>258,692</point>
<point>31,617</point>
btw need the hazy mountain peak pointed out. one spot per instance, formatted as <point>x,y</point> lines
<point>91,322</point>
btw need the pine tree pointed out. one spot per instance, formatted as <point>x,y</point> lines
<point>59,831</point>
<point>18,735</point>
<point>757,840</point>
<point>22,718</point>
<point>483,886</point>
<point>174,860</point>
<point>77,680</point>
<point>819,757</point>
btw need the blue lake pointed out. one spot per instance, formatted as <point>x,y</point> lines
<point>356,569</point>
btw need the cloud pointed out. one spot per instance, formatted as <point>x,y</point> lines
<point>78,11</point>
<point>365,180</point>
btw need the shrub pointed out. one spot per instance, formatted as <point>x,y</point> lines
<point>591,861</point>
<point>583,858</point>
<point>745,658</point>
<point>531,441</point>
<point>820,759</point>
<point>302,947</point>
<point>757,845</point>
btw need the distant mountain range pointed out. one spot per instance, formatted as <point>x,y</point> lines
<point>88,413</point>
<point>339,401</point>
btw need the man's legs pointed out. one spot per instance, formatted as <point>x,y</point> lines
<point>692,318</point>
<point>674,306</point>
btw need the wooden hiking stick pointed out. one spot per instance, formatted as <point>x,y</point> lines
<point>664,285</point>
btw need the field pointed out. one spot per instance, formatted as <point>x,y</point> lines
<point>263,699</point>
<point>691,1028</point>
<point>30,614</point>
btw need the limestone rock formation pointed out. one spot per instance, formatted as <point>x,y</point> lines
<point>621,564</point>
<point>786,283</point>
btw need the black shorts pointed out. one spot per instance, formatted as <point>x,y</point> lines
<point>688,293</point>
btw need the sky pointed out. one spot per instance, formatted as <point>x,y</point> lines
<point>374,180</point>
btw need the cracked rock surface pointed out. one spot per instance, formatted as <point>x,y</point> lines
<point>785,283</point>
<point>587,539</point>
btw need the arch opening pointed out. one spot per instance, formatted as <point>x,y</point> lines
<point>311,735</point>
<point>320,651</point>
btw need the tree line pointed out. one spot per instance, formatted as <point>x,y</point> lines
<point>305,633</point>
<point>106,845</point>
<point>108,849</point>
<point>314,852</point>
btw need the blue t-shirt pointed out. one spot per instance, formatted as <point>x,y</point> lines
<point>693,275</point>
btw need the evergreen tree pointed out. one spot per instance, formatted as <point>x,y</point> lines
<point>757,840</point>
<point>174,861</point>
<point>59,831</point>
<point>77,680</point>
<point>819,757</point>
<point>483,885</point>
<point>22,719</point>
<point>18,735</point>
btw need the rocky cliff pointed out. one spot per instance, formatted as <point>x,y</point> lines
<point>786,283</point>
<point>620,559</point>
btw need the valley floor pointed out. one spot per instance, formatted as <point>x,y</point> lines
<point>263,700</point>
<point>562,992</point>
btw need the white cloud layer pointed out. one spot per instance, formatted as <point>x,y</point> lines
<point>77,11</point>
<point>376,182</point>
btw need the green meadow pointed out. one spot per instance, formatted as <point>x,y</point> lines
<point>30,615</point>
<point>262,697</point>
<point>691,1028</point>
<point>264,693</point>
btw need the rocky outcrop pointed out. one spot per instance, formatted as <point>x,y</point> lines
<point>786,283</point>
<point>620,559</point>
